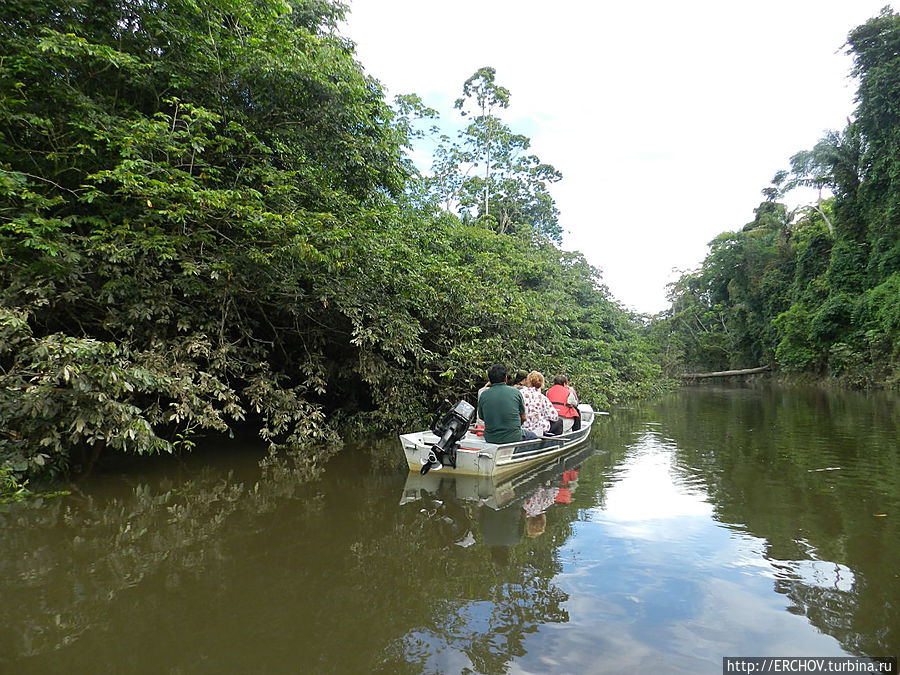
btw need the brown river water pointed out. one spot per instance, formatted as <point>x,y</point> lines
<point>716,521</point>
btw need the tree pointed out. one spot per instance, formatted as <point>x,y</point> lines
<point>209,220</point>
<point>511,193</point>
<point>178,187</point>
<point>485,129</point>
<point>835,162</point>
<point>875,47</point>
<point>823,291</point>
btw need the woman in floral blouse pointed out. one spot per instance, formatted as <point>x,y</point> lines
<point>538,409</point>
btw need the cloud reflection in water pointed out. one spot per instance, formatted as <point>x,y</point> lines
<point>655,582</point>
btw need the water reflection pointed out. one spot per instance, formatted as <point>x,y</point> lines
<point>653,582</point>
<point>690,528</point>
<point>520,522</point>
<point>646,491</point>
<point>820,529</point>
<point>507,509</point>
<point>66,562</point>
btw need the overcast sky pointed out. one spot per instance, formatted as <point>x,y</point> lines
<point>665,118</point>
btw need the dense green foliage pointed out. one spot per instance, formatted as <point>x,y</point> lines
<point>208,219</point>
<point>818,290</point>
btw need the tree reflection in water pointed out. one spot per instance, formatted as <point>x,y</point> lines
<point>807,472</point>
<point>65,561</point>
<point>279,566</point>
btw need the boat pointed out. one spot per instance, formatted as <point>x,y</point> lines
<point>499,492</point>
<point>455,447</point>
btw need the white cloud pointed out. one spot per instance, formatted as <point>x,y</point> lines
<point>666,119</point>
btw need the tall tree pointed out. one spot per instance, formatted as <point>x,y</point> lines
<point>511,193</point>
<point>209,217</point>
<point>481,97</point>
<point>178,185</point>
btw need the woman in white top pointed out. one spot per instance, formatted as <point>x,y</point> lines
<point>539,411</point>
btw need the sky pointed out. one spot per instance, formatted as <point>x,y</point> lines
<point>667,119</point>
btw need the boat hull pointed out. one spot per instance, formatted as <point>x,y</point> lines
<point>477,457</point>
<point>492,491</point>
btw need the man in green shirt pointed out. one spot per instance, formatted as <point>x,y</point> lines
<point>503,410</point>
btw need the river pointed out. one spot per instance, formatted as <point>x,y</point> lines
<point>717,521</point>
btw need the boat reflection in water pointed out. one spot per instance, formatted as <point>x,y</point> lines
<point>507,507</point>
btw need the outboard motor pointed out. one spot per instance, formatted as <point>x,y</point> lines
<point>451,428</point>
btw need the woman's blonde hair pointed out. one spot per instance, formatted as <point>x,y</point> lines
<point>535,379</point>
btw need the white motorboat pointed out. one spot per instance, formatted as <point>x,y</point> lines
<point>499,492</point>
<point>453,446</point>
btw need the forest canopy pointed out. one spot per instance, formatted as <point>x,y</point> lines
<point>210,222</point>
<point>814,290</point>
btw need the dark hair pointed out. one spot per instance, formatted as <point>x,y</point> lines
<point>560,379</point>
<point>497,374</point>
<point>520,376</point>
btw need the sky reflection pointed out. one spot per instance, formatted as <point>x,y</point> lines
<point>647,493</point>
<point>656,584</point>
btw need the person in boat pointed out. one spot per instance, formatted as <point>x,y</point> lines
<point>479,423</point>
<point>487,385</point>
<point>503,410</point>
<point>520,381</point>
<point>565,400</point>
<point>542,417</point>
<point>573,397</point>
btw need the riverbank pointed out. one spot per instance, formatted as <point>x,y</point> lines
<point>845,382</point>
